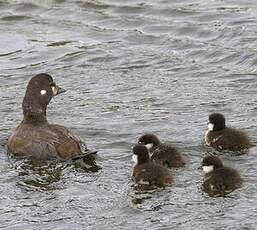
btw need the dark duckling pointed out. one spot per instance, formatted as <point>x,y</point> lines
<point>161,153</point>
<point>35,136</point>
<point>218,177</point>
<point>225,138</point>
<point>145,170</point>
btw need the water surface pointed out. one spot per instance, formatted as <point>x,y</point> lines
<point>129,67</point>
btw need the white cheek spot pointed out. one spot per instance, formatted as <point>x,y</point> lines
<point>208,169</point>
<point>210,126</point>
<point>134,158</point>
<point>149,146</point>
<point>43,92</point>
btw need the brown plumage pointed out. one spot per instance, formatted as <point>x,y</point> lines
<point>35,136</point>
<point>225,138</point>
<point>218,177</point>
<point>161,153</point>
<point>145,170</point>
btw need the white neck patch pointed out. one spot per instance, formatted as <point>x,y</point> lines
<point>208,169</point>
<point>210,126</point>
<point>149,146</point>
<point>135,158</point>
<point>43,92</point>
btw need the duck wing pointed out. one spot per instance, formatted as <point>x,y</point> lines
<point>223,179</point>
<point>168,155</point>
<point>37,148</point>
<point>69,145</point>
<point>231,139</point>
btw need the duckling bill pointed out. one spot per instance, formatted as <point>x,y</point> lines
<point>35,136</point>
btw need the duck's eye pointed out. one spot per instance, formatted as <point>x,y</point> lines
<point>43,92</point>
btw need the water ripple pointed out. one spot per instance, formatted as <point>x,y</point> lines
<point>130,67</point>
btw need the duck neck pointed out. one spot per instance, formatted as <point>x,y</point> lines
<point>33,114</point>
<point>143,158</point>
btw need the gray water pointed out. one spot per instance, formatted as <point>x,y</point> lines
<point>129,67</point>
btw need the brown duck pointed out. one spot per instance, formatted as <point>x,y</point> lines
<point>35,136</point>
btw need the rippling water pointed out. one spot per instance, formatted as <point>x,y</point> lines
<point>129,67</point>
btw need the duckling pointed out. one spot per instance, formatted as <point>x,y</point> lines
<point>145,170</point>
<point>225,138</point>
<point>161,153</point>
<point>218,177</point>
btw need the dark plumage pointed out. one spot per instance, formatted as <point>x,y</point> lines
<point>161,153</point>
<point>145,170</point>
<point>35,136</point>
<point>218,177</point>
<point>225,138</point>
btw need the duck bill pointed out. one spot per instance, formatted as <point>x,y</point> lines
<point>200,167</point>
<point>60,90</point>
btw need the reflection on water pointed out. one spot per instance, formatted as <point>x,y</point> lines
<point>87,164</point>
<point>38,175</point>
<point>34,174</point>
<point>130,67</point>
